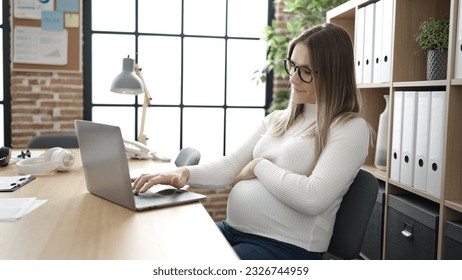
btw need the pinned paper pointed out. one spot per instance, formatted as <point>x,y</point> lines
<point>71,20</point>
<point>31,9</point>
<point>52,20</point>
<point>67,5</point>
<point>35,46</point>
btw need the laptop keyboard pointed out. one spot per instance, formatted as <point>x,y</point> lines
<point>160,193</point>
<point>162,197</point>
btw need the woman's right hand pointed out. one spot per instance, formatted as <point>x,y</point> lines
<point>177,178</point>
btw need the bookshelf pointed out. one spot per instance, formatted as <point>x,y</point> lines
<point>408,73</point>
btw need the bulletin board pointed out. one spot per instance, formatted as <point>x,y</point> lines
<point>46,35</point>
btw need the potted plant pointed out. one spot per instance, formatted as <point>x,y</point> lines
<point>432,38</point>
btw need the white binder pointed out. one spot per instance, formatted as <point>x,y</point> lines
<point>387,35</point>
<point>421,140</point>
<point>458,46</point>
<point>368,43</point>
<point>377,61</point>
<point>435,148</point>
<point>359,48</point>
<point>406,175</point>
<point>396,136</point>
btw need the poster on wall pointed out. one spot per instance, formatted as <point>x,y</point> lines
<point>32,9</point>
<point>36,46</point>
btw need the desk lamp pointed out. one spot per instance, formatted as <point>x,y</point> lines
<point>130,81</point>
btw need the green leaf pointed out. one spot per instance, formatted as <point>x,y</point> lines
<point>305,13</point>
<point>433,34</point>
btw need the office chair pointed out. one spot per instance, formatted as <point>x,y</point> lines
<point>53,140</point>
<point>353,217</point>
<point>188,156</point>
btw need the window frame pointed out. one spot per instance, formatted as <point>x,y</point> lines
<point>87,62</point>
<point>6,102</point>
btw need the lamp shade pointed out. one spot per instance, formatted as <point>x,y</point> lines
<point>127,82</point>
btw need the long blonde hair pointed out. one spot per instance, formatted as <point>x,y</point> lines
<point>337,96</point>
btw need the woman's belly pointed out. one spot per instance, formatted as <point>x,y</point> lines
<point>253,209</point>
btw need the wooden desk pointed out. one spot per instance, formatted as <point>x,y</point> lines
<point>74,224</point>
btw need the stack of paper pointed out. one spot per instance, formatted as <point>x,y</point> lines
<point>13,209</point>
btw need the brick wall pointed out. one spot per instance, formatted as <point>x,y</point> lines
<point>215,203</point>
<point>281,18</point>
<point>43,103</point>
<point>48,102</point>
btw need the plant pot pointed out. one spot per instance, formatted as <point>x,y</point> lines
<point>437,63</point>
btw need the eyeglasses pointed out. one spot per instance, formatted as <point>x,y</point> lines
<point>304,73</point>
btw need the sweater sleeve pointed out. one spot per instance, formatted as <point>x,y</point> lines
<point>337,166</point>
<point>221,172</point>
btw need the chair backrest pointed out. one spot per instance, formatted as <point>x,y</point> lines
<point>47,141</point>
<point>188,156</point>
<point>353,216</point>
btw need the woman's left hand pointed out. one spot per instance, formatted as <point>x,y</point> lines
<point>247,172</point>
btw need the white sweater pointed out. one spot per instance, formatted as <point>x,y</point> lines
<point>288,201</point>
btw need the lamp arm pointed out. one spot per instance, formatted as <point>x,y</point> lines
<point>147,99</point>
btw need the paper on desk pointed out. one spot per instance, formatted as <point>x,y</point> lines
<point>10,183</point>
<point>13,209</point>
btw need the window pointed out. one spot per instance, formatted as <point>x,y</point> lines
<point>197,59</point>
<point>5,107</point>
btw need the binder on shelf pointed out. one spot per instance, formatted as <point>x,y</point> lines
<point>458,46</point>
<point>406,175</point>
<point>435,145</point>
<point>359,48</point>
<point>377,51</point>
<point>387,39</point>
<point>421,139</point>
<point>396,135</point>
<point>368,43</point>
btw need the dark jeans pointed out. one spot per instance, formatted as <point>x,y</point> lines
<point>254,247</point>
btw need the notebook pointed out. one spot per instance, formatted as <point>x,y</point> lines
<point>107,174</point>
<point>12,183</point>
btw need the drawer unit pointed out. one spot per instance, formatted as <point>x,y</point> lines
<point>453,240</point>
<point>372,244</point>
<point>412,228</point>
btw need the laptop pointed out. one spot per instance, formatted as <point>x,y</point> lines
<point>107,175</point>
